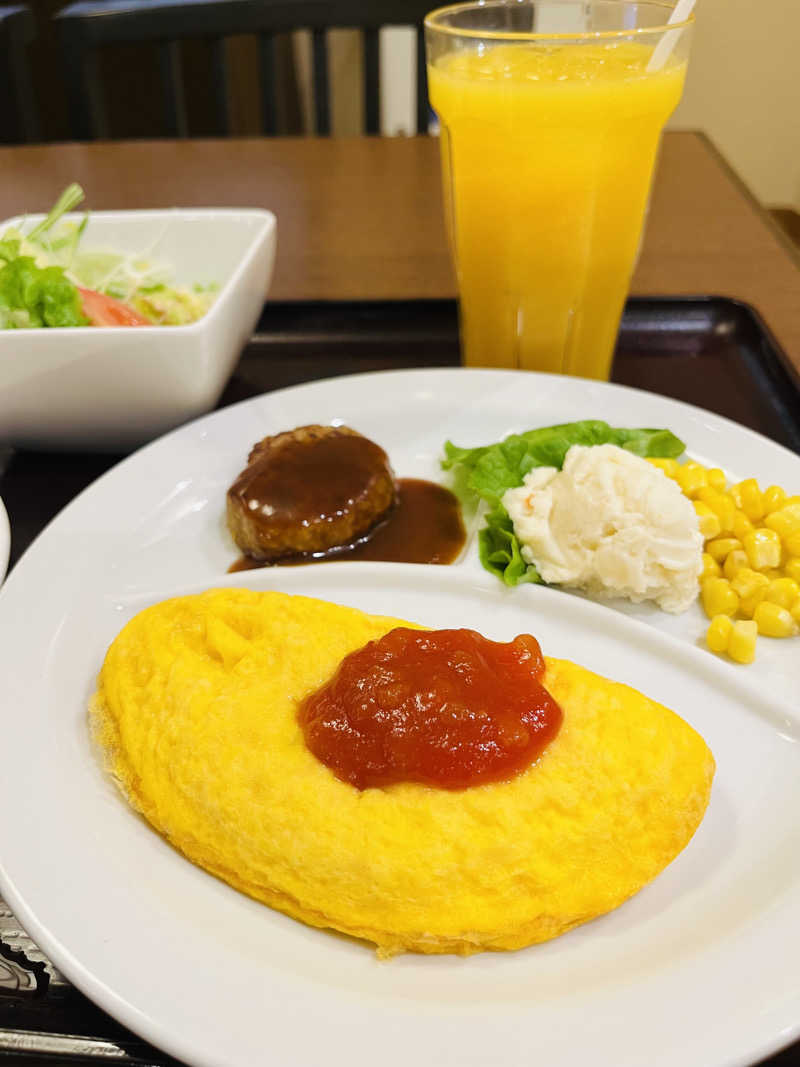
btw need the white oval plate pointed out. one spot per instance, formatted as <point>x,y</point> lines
<point>700,968</point>
<point>5,541</point>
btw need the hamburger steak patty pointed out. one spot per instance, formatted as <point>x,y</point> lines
<point>309,490</point>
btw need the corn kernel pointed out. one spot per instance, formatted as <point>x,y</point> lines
<point>746,582</point>
<point>741,525</point>
<point>717,479</point>
<point>734,562</point>
<point>711,569</point>
<point>785,521</point>
<point>748,604</point>
<point>751,499</point>
<point>792,543</point>
<point>691,477</point>
<point>720,547</point>
<point>742,641</point>
<point>774,498</point>
<point>773,621</point>
<point>707,521</point>
<point>782,591</point>
<point>718,597</point>
<point>794,611</point>
<point>792,502</point>
<point>668,466</point>
<point>741,490</point>
<point>780,523</point>
<point>763,548</point>
<point>791,569</point>
<point>718,633</point>
<point>721,504</point>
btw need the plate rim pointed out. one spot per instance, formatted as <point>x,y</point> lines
<point>158,1033</point>
<point>113,473</point>
<point>5,540</point>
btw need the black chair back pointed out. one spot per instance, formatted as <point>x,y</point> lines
<point>18,114</point>
<point>88,25</point>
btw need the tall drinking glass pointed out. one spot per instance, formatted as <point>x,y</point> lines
<point>550,115</point>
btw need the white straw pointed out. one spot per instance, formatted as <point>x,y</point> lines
<point>663,49</point>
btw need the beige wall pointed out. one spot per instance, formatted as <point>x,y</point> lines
<point>743,89</point>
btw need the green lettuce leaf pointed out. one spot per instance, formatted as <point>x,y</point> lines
<point>9,246</point>
<point>492,469</point>
<point>33,296</point>
<point>499,550</point>
<point>488,471</point>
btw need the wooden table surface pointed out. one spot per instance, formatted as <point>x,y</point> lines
<point>362,219</point>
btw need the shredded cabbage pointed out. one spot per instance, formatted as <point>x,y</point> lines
<point>41,270</point>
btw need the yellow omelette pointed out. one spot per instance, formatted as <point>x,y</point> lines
<point>196,711</point>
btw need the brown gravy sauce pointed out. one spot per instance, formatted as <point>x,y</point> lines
<point>424,526</point>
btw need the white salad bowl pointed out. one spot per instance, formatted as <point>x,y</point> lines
<point>106,388</point>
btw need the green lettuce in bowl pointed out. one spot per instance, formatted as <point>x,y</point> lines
<point>48,278</point>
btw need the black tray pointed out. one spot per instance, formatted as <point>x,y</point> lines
<point>709,351</point>
<point>713,352</point>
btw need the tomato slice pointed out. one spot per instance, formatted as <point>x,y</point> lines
<point>103,310</point>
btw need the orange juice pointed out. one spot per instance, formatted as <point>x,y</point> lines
<point>548,154</point>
